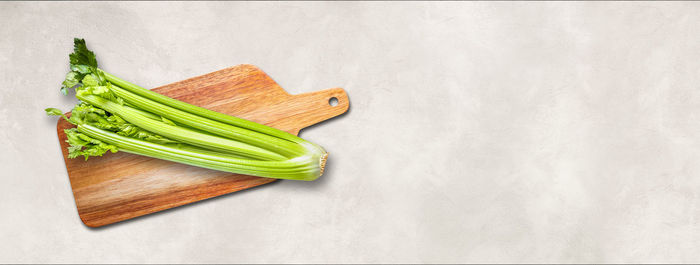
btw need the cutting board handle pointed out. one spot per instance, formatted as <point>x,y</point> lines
<point>310,108</point>
<point>320,104</point>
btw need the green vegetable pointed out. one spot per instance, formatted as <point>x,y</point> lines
<point>115,115</point>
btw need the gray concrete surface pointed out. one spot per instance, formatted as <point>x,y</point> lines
<point>478,132</point>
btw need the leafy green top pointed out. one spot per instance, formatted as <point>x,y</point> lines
<point>82,63</point>
<point>82,55</point>
<point>88,80</point>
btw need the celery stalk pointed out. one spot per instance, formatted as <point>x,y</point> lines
<point>299,169</point>
<point>115,115</point>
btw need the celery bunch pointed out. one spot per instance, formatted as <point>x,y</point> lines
<point>115,115</point>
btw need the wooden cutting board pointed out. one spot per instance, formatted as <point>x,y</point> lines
<point>122,186</point>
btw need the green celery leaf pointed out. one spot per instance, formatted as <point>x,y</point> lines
<point>53,112</point>
<point>81,144</point>
<point>83,65</point>
<point>72,79</point>
<point>74,151</point>
<point>90,80</point>
<point>81,69</point>
<point>81,55</point>
<point>57,112</point>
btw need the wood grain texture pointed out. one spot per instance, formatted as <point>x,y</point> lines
<point>122,186</point>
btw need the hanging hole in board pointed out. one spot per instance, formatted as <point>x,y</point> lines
<point>333,102</point>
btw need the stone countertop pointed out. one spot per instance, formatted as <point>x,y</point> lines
<point>477,132</point>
